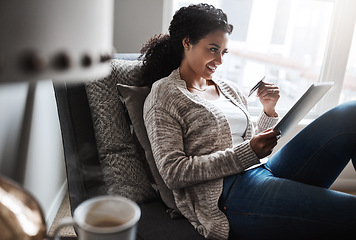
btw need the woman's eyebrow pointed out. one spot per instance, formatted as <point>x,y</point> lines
<point>214,44</point>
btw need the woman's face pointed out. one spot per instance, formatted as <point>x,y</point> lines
<point>201,59</point>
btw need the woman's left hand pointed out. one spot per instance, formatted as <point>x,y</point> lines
<point>269,95</point>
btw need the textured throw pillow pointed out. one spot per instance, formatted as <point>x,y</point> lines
<point>134,98</point>
<point>123,167</point>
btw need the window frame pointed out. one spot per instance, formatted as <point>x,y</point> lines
<point>337,52</point>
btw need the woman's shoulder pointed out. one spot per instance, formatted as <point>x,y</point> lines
<point>161,90</point>
<point>164,85</point>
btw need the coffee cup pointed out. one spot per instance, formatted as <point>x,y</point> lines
<point>104,218</point>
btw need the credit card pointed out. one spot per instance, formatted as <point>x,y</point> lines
<point>256,86</point>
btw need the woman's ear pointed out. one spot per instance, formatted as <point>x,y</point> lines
<point>186,43</point>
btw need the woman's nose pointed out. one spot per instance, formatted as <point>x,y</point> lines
<point>219,59</point>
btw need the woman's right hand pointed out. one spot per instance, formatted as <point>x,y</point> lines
<point>263,143</point>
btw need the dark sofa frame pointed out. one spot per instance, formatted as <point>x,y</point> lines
<point>84,174</point>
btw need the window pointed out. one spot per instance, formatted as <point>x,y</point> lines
<point>293,43</point>
<point>348,91</point>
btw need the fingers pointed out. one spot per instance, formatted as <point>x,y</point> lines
<point>268,90</point>
<point>270,137</point>
<point>263,143</point>
<point>270,143</point>
<point>270,133</point>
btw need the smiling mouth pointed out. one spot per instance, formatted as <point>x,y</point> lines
<point>212,68</point>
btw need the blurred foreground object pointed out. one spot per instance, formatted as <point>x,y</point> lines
<point>58,39</point>
<point>21,216</point>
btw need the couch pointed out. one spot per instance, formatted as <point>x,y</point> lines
<point>106,154</point>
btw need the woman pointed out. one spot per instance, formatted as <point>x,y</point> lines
<point>209,153</point>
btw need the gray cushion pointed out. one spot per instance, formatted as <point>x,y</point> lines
<point>134,98</point>
<point>123,167</point>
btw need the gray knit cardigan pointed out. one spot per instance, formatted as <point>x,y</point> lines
<point>192,147</point>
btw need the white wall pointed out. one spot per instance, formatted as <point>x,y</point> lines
<point>45,171</point>
<point>12,105</point>
<point>135,22</point>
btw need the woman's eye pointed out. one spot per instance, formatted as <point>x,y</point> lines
<point>214,49</point>
<point>224,52</point>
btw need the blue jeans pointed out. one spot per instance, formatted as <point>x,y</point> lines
<point>288,198</point>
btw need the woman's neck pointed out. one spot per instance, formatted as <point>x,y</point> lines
<point>191,79</point>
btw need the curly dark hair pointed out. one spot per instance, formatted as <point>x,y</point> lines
<point>164,52</point>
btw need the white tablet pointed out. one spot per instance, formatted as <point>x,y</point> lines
<point>314,93</point>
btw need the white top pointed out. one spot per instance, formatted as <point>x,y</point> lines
<point>236,118</point>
